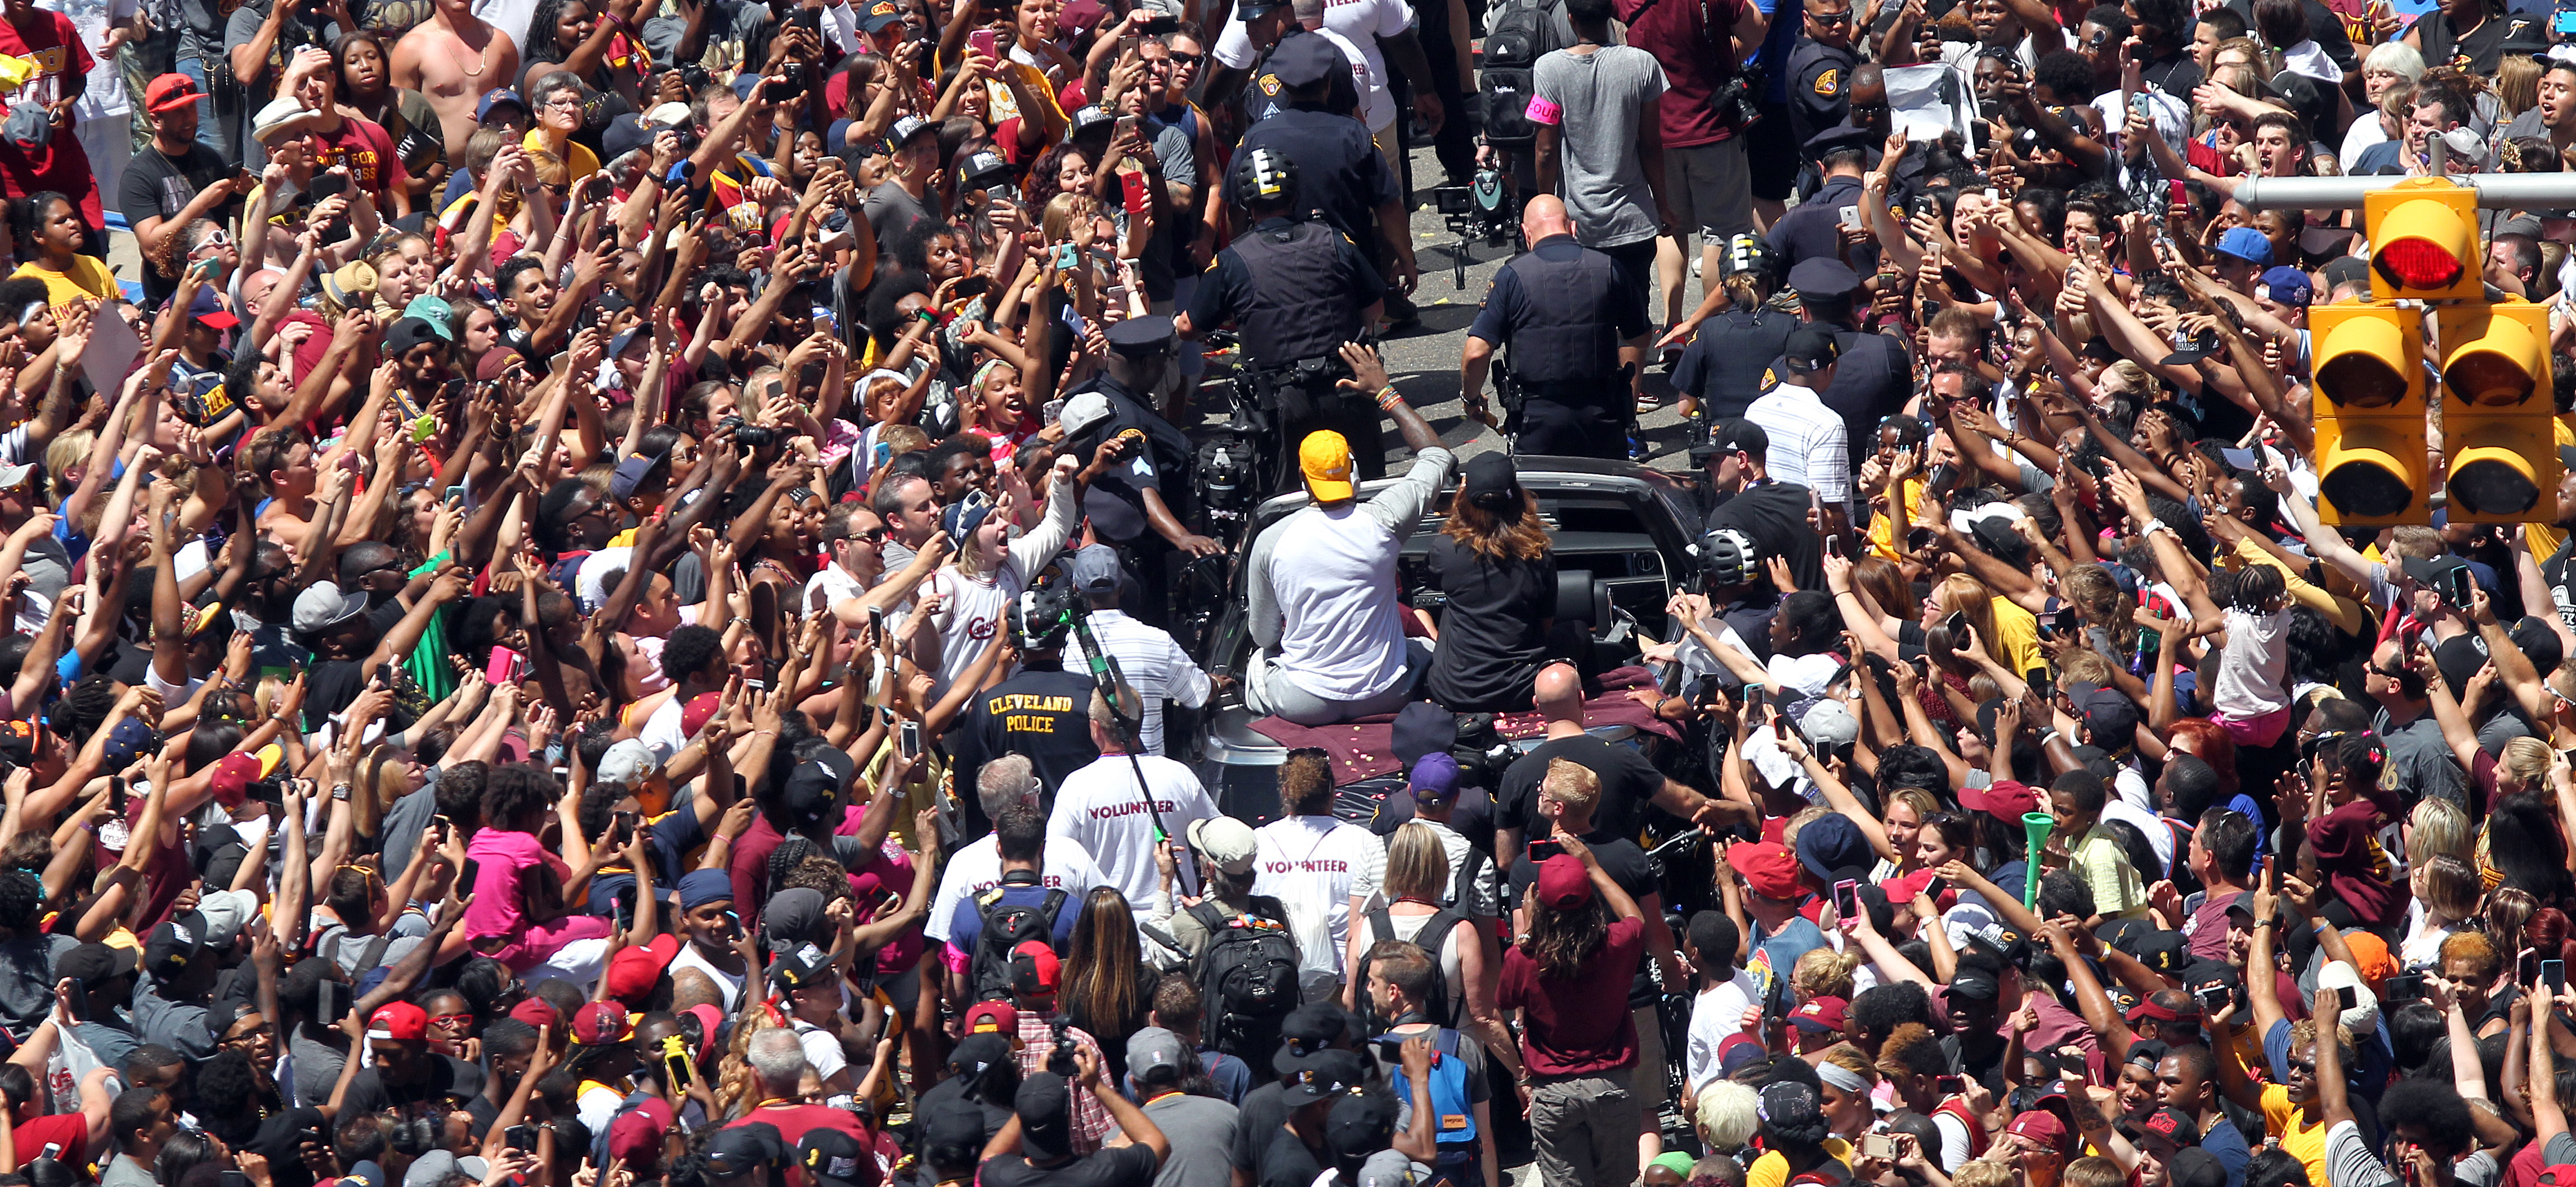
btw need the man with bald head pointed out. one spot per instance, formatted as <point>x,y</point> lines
<point>1628,781</point>
<point>1576,319</point>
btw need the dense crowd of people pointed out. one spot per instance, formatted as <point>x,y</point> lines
<point>635,593</point>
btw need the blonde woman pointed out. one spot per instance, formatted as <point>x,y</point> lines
<point>2445,891</point>
<point>1417,883</point>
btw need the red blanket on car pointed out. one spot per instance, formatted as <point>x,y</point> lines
<point>1363,749</point>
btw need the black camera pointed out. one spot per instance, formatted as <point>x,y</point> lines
<point>1734,103</point>
<point>748,435</point>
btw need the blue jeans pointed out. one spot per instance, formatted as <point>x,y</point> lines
<point>210,130</point>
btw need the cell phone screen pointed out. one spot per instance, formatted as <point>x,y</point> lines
<point>1846,898</point>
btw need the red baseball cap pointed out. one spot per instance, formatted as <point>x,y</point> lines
<point>399,1021</point>
<point>171,92</point>
<point>633,972</point>
<point>535,1012</point>
<point>1035,970</point>
<point>636,1135</point>
<point>1768,867</point>
<point>2006,801</point>
<point>1001,1018</point>
<point>234,772</point>
<point>598,1024</point>
<point>2041,1126</point>
<point>700,710</point>
<point>1563,883</point>
<point>1822,1013</point>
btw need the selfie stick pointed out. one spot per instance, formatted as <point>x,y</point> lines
<point>2037,825</point>
<point>1107,680</point>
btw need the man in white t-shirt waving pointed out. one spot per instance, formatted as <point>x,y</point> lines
<point>1322,588</point>
<point>1323,870</point>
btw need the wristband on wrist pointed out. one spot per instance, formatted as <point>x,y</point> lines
<point>1388,398</point>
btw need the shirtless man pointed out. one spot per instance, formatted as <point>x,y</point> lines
<point>283,459</point>
<point>452,59</point>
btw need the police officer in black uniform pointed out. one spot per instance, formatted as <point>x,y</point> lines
<point>1724,363</point>
<point>1341,175</point>
<point>1142,506</point>
<point>1042,711</point>
<point>1567,312</point>
<point>1814,230</point>
<point>1820,69</point>
<point>1872,378</point>
<point>1297,289</point>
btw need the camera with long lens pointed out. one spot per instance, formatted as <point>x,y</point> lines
<point>748,435</point>
<point>1734,103</point>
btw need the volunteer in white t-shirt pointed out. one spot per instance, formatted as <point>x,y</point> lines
<point>1101,808</point>
<point>1323,869</point>
<point>977,868</point>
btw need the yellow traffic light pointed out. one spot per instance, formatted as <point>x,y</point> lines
<point>2499,446</point>
<point>2423,235</point>
<point>2370,414</point>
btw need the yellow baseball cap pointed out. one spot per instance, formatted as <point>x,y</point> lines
<point>1326,459</point>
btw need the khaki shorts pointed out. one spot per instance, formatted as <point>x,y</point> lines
<point>1585,1128</point>
<point>1710,188</point>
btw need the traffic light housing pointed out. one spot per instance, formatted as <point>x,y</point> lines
<point>2369,413</point>
<point>2423,234</point>
<point>2499,444</point>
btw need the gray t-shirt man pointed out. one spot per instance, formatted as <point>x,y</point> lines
<point>1598,101</point>
<point>1201,1130</point>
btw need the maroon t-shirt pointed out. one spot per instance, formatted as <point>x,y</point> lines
<point>1695,44</point>
<point>368,151</point>
<point>1578,1027</point>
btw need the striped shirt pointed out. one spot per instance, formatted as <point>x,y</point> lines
<point>1155,665</point>
<point>1808,441</point>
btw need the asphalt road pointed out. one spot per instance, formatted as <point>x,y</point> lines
<point>1423,361</point>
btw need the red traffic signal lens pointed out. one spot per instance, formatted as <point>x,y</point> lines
<point>2418,264</point>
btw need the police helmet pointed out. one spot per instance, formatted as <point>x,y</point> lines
<point>1040,618</point>
<point>1748,252</point>
<point>1730,557</point>
<point>1265,175</point>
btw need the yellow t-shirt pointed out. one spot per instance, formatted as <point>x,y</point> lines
<point>2017,637</point>
<point>1882,529</point>
<point>2303,1136</point>
<point>1772,1170</point>
<point>88,280</point>
<point>2543,538</point>
<point>579,162</point>
<point>2104,866</point>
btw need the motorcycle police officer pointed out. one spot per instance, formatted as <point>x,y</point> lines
<point>1296,289</point>
<point>1568,312</point>
<point>1724,365</point>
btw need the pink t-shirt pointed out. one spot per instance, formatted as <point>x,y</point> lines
<point>503,857</point>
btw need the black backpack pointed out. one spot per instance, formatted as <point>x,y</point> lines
<point>1247,977</point>
<point>1516,37</point>
<point>1006,927</point>
<point>1435,931</point>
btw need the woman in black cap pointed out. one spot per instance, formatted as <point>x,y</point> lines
<point>1493,562</point>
